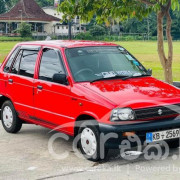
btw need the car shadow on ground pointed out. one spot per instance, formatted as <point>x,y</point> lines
<point>128,156</point>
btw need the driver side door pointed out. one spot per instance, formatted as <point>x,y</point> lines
<point>52,100</point>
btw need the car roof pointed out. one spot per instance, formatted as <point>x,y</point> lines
<point>68,43</point>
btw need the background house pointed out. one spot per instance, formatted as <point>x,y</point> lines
<point>25,11</point>
<point>61,28</point>
<point>44,21</point>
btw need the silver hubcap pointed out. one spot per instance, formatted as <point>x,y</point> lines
<point>88,141</point>
<point>7,117</point>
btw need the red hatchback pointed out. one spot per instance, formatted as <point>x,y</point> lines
<point>87,89</point>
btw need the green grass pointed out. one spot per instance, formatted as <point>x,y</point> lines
<point>5,48</point>
<point>145,52</point>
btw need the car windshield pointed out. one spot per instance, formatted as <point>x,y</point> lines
<point>96,63</point>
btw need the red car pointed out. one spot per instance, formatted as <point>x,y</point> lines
<point>88,89</point>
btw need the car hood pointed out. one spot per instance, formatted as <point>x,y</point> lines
<point>136,92</point>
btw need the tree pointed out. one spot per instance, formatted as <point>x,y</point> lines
<point>24,30</point>
<point>135,26</point>
<point>2,7</point>
<point>10,3</point>
<point>124,9</point>
<point>97,30</point>
<point>44,3</point>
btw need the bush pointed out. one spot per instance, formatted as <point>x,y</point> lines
<point>97,30</point>
<point>24,30</point>
<point>84,36</point>
<point>6,38</point>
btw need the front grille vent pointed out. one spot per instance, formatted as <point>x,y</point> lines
<point>158,112</point>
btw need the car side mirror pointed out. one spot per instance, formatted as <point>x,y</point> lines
<point>149,72</point>
<point>59,78</point>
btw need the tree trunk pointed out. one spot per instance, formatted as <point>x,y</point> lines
<point>165,61</point>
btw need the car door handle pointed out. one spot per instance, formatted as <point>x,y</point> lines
<point>40,87</point>
<point>10,80</point>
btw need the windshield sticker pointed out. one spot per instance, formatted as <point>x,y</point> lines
<point>109,74</point>
<point>121,49</point>
<point>136,63</point>
<point>137,74</point>
<point>130,57</point>
<point>115,73</point>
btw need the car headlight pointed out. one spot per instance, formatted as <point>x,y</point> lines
<point>122,114</point>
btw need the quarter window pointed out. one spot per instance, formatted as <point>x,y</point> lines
<point>15,67</point>
<point>50,65</point>
<point>9,63</point>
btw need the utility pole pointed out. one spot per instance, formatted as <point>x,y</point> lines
<point>21,15</point>
<point>69,29</point>
<point>148,28</point>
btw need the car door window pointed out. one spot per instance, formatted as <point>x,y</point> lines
<point>51,64</point>
<point>25,63</point>
<point>10,60</point>
<point>28,62</point>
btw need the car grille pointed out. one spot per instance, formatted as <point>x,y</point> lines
<point>158,112</point>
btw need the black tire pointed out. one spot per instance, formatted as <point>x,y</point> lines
<point>100,154</point>
<point>173,144</point>
<point>16,122</point>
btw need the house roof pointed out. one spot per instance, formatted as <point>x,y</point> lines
<point>28,10</point>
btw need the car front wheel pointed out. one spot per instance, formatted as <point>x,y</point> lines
<point>10,120</point>
<point>89,142</point>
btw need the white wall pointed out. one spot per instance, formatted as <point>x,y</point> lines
<point>57,27</point>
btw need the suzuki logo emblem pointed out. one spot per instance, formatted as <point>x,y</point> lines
<point>160,111</point>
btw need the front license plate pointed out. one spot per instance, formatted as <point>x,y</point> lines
<point>162,135</point>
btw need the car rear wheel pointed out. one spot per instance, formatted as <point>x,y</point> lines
<point>10,120</point>
<point>89,142</point>
<point>174,144</point>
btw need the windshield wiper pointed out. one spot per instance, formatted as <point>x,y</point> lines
<point>129,77</point>
<point>113,77</point>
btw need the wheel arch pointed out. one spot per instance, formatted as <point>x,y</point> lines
<point>84,117</point>
<point>2,100</point>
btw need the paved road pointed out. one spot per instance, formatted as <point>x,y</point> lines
<point>26,156</point>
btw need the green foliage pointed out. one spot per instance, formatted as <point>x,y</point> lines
<point>84,36</point>
<point>110,38</point>
<point>97,30</point>
<point>6,38</point>
<point>108,9</point>
<point>24,30</point>
<point>44,3</point>
<point>2,6</point>
<point>10,3</point>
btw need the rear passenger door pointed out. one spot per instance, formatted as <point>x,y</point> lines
<point>20,81</point>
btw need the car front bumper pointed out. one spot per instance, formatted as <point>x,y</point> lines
<point>140,130</point>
